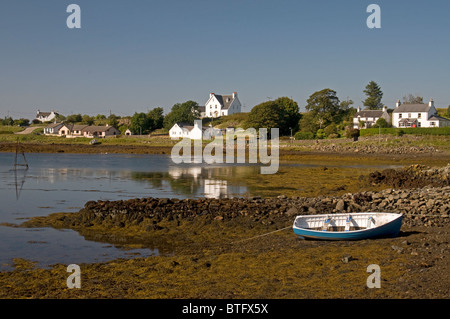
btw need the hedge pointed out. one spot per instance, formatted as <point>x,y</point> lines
<point>408,130</point>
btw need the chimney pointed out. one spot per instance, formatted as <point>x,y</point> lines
<point>398,103</point>
<point>234,94</point>
<point>359,109</point>
<point>211,95</point>
<point>431,103</point>
<point>384,108</point>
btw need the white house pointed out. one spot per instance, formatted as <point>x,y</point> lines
<point>46,116</point>
<point>221,105</point>
<point>417,115</point>
<point>53,129</point>
<point>194,132</point>
<point>368,118</point>
<point>180,130</point>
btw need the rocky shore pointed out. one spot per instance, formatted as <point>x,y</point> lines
<point>425,206</point>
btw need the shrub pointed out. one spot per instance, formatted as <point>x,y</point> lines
<point>330,129</point>
<point>304,136</point>
<point>352,133</point>
<point>320,134</point>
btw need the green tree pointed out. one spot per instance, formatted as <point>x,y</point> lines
<point>269,114</point>
<point>141,124</point>
<point>308,123</point>
<point>324,106</point>
<point>157,116</point>
<point>381,122</point>
<point>448,112</point>
<point>88,120</point>
<point>113,120</point>
<point>186,112</point>
<point>8,121</point>
<point>74,118</point>
<point>291,114</point>
<point>374,96</point>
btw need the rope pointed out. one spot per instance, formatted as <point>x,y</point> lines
<point>240,241</point>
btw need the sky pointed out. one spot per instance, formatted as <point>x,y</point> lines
<point>134,55</point>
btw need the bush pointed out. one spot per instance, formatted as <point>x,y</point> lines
<point>334,135</point>
<point>352,133</point>
<point>409,130</point>
<point>304,136</point>
<point>320,134</point>
<point>330,129</point>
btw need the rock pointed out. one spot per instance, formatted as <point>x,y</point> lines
<point>346,258</point>
<point>397,248</point>
<point>340,206</point>
<point>292,212</point>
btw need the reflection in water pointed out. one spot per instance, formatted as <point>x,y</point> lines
<point>19,178</point>
<point>195,181</point>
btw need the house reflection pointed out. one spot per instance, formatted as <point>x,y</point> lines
<point>206,181</point>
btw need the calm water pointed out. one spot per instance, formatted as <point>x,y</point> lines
<point>65,182</point>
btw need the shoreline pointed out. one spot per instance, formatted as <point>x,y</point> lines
<point>212,248</point>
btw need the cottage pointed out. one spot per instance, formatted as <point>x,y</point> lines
<point>185,130</point>
<point>53,129</point>
<point>368,118</point>
<point>417,115</point>
<point>221,105</point>
<point>46,116</point>
<point>100,131</point>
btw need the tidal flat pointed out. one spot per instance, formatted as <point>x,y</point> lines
<point>211,253</point>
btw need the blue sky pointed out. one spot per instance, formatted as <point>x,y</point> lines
<point>132,56</point>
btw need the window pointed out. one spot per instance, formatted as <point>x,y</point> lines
<point>419,115</point>
<point>409,115</point>
<point>400,116</point>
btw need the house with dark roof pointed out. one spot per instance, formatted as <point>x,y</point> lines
<point>80,130</point>
<point>100,131</point>
<point>417,115</point>
<point>45,116</point>
<point>368,118</point>
<point>53,129</point>
<point>221,105</point>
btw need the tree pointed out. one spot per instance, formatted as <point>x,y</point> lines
<point>291,114</point>
<point>186,112</point>
<point>381,122</point>
<point>412,99</point>
<point>88,120</point>
<point>308,124</point>
<point>157,116</point>
<point>374,96</point>
<point>74,118</point>
<point>270,114</point>
<point>448,112</point>
<point>324,107</point>
<point>8,121</point>
<point>141,123</point>
<point>113,120</point>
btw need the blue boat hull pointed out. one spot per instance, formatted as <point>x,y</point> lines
<point>390,229</point>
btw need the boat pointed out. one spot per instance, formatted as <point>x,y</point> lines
<point>348,226</point>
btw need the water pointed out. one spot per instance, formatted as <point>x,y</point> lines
<point>65,182</point>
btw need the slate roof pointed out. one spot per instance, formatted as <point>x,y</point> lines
<point>224,100</point>
<point>405,108</point>
<point>369,113</point>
